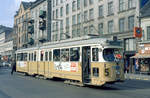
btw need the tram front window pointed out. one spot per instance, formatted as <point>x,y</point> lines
<point>109,54</point>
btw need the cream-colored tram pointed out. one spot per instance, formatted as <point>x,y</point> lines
<point>93,61</point>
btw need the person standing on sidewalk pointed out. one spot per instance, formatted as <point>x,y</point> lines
<point>13,66</point>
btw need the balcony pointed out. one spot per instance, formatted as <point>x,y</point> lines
<point>25,45</point>
<point>42,14</point>
<point>42,25</point>
<point>42,39</point>
<point>31,21</point>
<point>31,29</point>
<point>31,41</point>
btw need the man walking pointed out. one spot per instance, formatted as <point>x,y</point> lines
<point>13,66</point>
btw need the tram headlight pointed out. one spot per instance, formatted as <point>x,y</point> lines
<point>107,72</point>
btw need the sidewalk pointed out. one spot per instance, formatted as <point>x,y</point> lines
<point>137,76</point>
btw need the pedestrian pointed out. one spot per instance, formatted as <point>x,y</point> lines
<point>13,66</point>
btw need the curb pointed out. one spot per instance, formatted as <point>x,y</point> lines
<point>137,77</point>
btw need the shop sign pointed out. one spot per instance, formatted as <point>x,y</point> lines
<point>145,48</point>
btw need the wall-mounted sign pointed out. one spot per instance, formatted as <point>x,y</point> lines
<point>137,32</point>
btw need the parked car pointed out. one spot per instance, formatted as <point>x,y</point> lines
<point>6,64</point>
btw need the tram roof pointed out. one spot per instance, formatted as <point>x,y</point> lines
<point>86,40</point>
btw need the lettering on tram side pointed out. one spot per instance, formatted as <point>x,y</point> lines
<point>66,66</point>
<point>22,64</point>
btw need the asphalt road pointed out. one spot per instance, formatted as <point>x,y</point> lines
<point>19,86</point>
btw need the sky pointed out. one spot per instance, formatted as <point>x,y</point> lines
<point>8,9</point>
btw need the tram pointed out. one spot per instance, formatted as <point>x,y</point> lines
<point>88,61</point>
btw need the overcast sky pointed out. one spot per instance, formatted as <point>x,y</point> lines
<point>8,9</point>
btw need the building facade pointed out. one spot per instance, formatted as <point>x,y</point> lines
<point>39,18</point>
<point>21,24</point>
<point>145,22</point>
<point>6,46</point>
<point>76,18</point>
<point>142,57</point>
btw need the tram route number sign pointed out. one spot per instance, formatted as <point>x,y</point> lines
<point>66,66</point>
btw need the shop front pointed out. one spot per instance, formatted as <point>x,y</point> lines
<point>142,59</point>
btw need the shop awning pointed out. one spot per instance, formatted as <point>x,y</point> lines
<point>141,56</point>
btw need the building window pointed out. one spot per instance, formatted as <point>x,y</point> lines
<point>74,34</point>
<point>121,5</point>
<point>78,32</point>
<point>73,6</point>
<point>61,1</point>
<point>91,1</point>
<point>131,4</point>
<point>130,44</point>
<point>91,13</point>
<point>67,22</point>
<point>85,15</point>
<point>91,29</point>
<point>56,13</point>
<point>101,11</point>
<point>61,24</point>
<point>131,23</point>
<point>122,25</point>
<point>78,4</point>
<point>85,3</point>
<point>53,14</point>
<point>53,3</point>
<point>148,32</point>
<point>79,18</point>
<point>56,26</point>
<point>57,1</point>
<point>61,11</point>
<point>67,9</point>
<point>110,8</point>
<point>100,28</point>
<point>85,30</point>
<point>110,26</point>
<point>73,19</point>
<point>53,26</point>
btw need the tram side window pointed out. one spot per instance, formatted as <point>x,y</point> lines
<point>96,72</point>
<point>20,56</point>
<point>75,54</point>
<point>34,56</point>
<point>95,54</point>
<point>29,56</point>
<point>56,55</point>
<point>25,57</point>
<point>50,56</point>
<point>46,56</point>
<point>64,55</point>
<point>42,56</point>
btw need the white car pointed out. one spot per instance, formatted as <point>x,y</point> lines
<point>6,64</point>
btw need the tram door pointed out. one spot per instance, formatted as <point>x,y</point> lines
<point>86,64</point>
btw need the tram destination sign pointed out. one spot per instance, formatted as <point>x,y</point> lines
<point>114,42</point>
